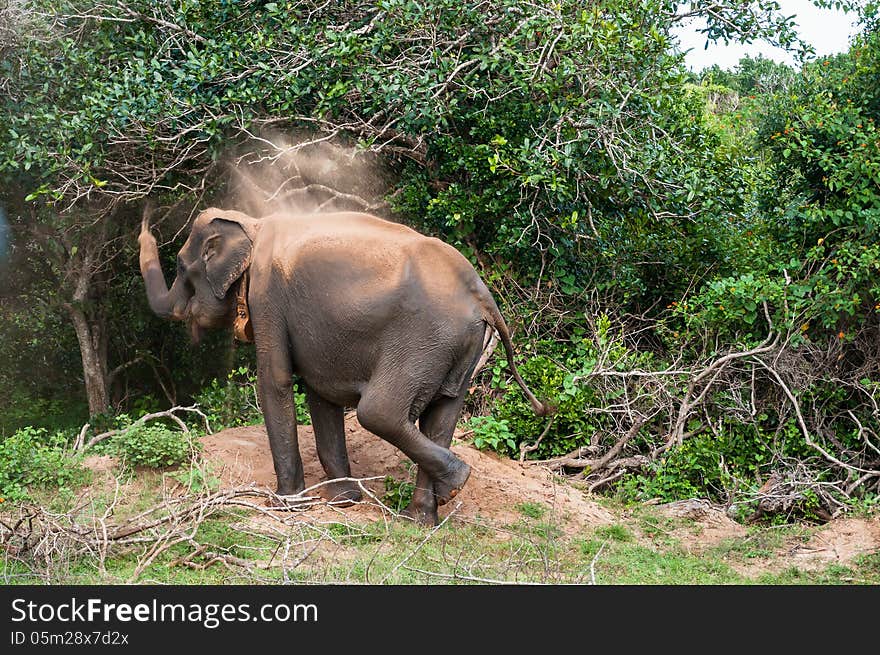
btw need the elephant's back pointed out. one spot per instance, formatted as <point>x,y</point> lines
<point>376,266</point>
<point>309,230</point>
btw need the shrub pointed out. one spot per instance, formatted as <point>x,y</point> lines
<point>559,373</point>
<point>155,446</point>
<point>33,458</point>
<point>513,421</point>
<point>398,493</point>
<point>232,402</point>
<point>28,410</point>
<point>491,433</point>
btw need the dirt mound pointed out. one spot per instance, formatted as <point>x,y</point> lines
<point>500,495</point>
<point>499,490</point>
<point>714,526</point>
<point>839,541</point>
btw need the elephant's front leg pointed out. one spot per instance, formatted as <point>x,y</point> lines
<point>275,387</point>
<point>328,422</point>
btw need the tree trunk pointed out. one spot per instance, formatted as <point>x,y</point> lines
<point>90,334</point>
<point>93,361</point>
<point>77,248</point>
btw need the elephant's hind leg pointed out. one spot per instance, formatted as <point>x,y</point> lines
<point>384,411</point>
<point>328,423</point>
<point>437,423</point>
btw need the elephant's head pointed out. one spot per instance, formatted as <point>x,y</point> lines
<point>214,257</point>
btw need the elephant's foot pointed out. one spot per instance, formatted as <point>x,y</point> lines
<point>343,493</point>
<point>288,496</point>
<point>290,488</point>
<point>422,515</point>
<point>449,484</point>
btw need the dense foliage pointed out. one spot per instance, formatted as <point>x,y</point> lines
<point>689,262</point>
<point>154,446</point>
<point>33,459</point>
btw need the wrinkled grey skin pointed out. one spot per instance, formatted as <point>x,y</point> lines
<point>370,314</point>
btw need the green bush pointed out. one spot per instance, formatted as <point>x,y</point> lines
<point>726,459</point>
<point>232,402</point>
<point>700,467</point>
<point>491,433</point>
<point>155,446</point>
<point>514,422</point>
<point>33,458</point>
<point>551,380</point>
<point>559,373</point>
<point>25,409</point>
<point>727,465</point>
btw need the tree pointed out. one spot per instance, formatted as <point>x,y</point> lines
<point>554,137</point>
<point>752,75</point>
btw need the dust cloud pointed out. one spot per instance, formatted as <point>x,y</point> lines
<point>306,174</point>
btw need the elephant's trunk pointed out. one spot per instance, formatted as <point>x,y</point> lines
<point>158,294</point>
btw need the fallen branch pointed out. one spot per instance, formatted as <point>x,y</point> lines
<point>593,563</point>
<point>80,439</point>
<point>598,463</point>
<point>168,413</point>
<point>422,543</point>
<point>802,423</point>
<point>468,578</point>
<point>42,537</point>
<point>714,370</point>
<point>607,480</point>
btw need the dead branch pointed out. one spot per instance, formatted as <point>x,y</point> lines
<point>803,425</point>
<point>599,463</point>
<point>713,372</point>
<point>168,413</point>
<point>40,536</point>
<point>593,563</point>
<point>80,439</point>
<point>421,544</point>
<point>524,449</point>
<point>468,578</point>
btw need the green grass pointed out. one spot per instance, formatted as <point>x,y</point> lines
<point>460,554</point>
<point>614,532</point>
<point>626,563</point>
<point>532,510</point>
<point>762,542</point>
<point>642,547</point>
<point>864,570</point>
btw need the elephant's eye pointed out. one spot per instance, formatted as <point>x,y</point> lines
<point>181,268</point>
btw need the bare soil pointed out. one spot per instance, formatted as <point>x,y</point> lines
<point>836,542</point>
<point>496,491</point>
<point>501,492</point>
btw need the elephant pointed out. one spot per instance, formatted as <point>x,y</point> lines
<point>369,313</point>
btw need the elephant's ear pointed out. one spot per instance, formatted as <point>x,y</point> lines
<point>226,253</point>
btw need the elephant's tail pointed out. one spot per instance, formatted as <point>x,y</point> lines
<point>496,321</point>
